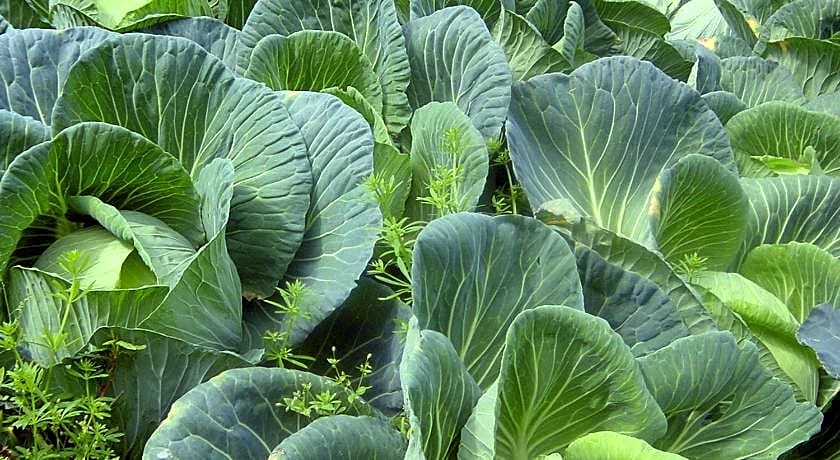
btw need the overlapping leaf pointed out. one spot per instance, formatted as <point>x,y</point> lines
<point>793,208</point>
<point>776,137</point>
<point>475,273</point>
<point>194,108</point>
<point>342,437</point>
<point>34,64</point>
<point>343,222</point>
<point>453,59</point>
<point>371,24</point>
<point>566,374</point>
<point>699,208</point>
<point>821,331</point>
<point>18,133</point>
<point>236,414</point>
<point>439,393</point>
<point>602,135</point>
<point>721,403</point>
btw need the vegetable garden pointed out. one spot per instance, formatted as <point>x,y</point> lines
<point>334,229</point>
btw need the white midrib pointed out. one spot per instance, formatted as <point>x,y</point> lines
<point>593,196</point>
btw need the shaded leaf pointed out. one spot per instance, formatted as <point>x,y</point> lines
<point>821,332</point>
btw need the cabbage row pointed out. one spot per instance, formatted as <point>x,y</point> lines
<point>516,229</point>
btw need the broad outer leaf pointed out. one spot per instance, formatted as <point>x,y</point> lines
<point>18,133</point>
<point>602,135</point>
<point>364,329</point>
<point>784,130</point>
<point>800,274</point>
<point>815,63</point>
<point>565,374</point>
<point>454,59</point>
<point>343,221</point>
<point>34,64</point>
<point>608,445</point>
<point>235,415</point>
<point>756,81</point>
<point>698,207</point>
<point>117,166</point>
<point>442,138</point>
<point>793,208</point>
<point>474,273</point>
<point>371,24</point>
<point>148,381</point>
<point>821,331</point>
<point>214,36</point>
<point>721,403</point>
<point>314,60</point>
<point>634,306</point>
<point>439,393</point>
<point>177,95</point>
<point>342,437</point>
